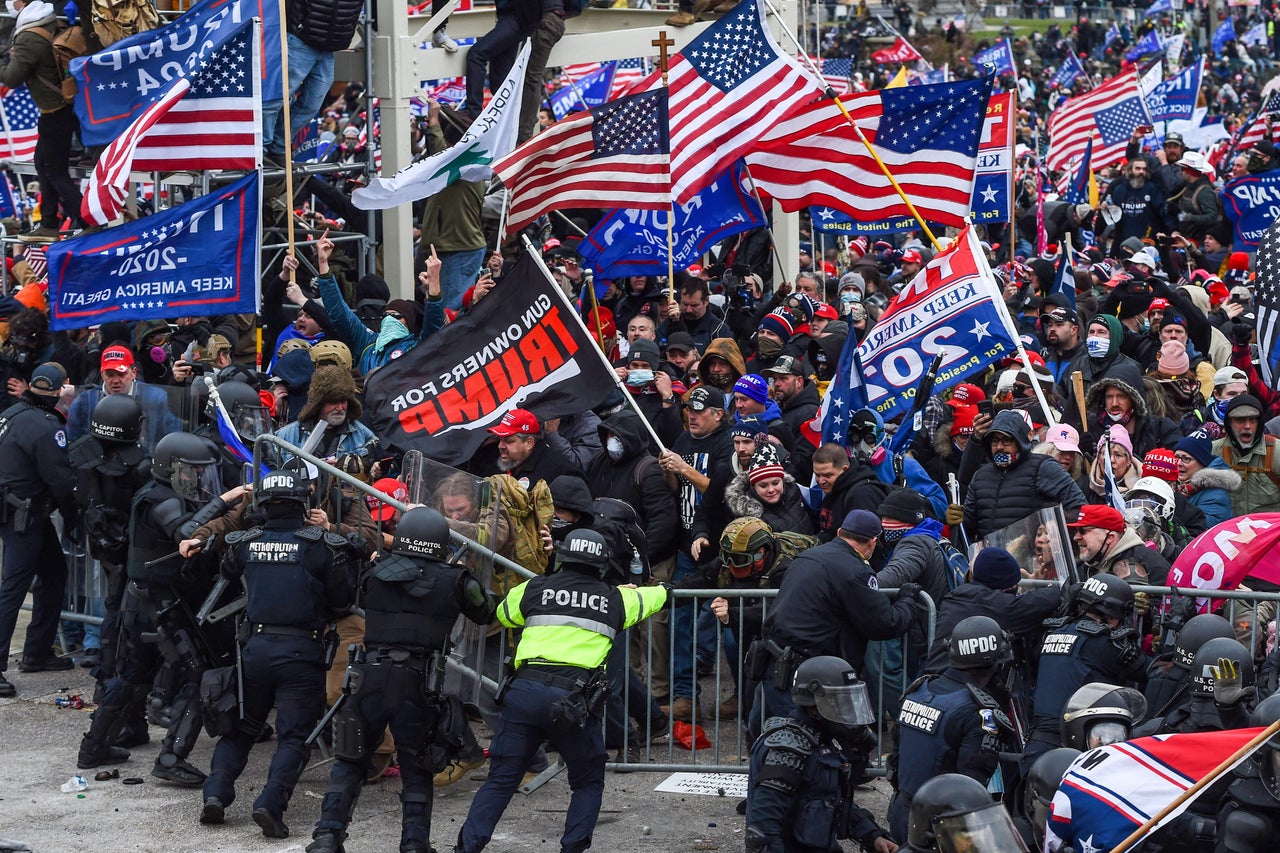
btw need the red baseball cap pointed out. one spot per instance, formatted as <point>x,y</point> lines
<point>1159,304</point>
<point>516,422</point>
<point>116,358</point>
<point>911,256</point>
<point>826,312</point>
<point>380,511</point>
<point>1101,516</point>
<point>969,393</point>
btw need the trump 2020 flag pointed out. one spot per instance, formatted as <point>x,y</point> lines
<point>634,242</point>
<point>1109,792</point>
<point>195,259</point>
<point>1175,98</point>
<point>589,90</point>
<point>952,307</point>
<point>1000,56</point>
<point>491,136</point>
<point>519,347</point>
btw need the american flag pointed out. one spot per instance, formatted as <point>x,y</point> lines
<point>1117,123</point>
<point>217,125</point>
<point>626,73</point>
<point>375,118</point>
<point>727,87</point>
<point>1074,122</point>
<point>926,135</point>
<point>34,256</point>
<point>1266,296</point>
<point>615,156</point>
<point>18,139</point>
<point>836,74</point>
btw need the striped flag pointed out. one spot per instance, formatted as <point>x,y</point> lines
<point>18,128</point>
<point>626,73</point>
<point>615,156</point>
<point>927,136</point>
<point>34,256</point>
<point>728,87</point>
<point>836,74</point>
<point>1074,123</point>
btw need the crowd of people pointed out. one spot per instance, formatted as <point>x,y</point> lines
<point>1139,420</point>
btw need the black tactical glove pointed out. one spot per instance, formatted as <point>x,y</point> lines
<point>909,592</point>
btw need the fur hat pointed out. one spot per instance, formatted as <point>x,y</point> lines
<point>330,385</point>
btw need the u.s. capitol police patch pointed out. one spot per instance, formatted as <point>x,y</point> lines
<point>872,582</point>
<point>989,724</point>
<point>60,438</point>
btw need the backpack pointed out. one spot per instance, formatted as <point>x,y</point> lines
<point>791,544</point>
<point>529,510</point>
<point>68,43</point>
<point>114,20</point>
<point>957,564</point>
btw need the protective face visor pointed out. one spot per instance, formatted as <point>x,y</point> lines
<point>845,705</point>
<point>1152,506</point>
<point>250,422</point>
<point>987,828</point>
<point>1103,733</point>
<point>196,481</point>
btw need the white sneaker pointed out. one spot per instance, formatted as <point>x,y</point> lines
<point>441,39</point>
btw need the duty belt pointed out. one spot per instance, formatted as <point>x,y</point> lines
<point>286,631</point>
<point>544,675</point>
<point>396,654</point>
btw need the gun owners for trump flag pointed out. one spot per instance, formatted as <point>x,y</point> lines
<point>519,347</point>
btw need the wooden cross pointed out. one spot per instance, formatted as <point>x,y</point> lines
<point>662,42</point>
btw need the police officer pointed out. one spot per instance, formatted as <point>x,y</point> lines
<point>296,577</point>
<point>569,620</point>
<point>1249,815</point>
<point>1091,644</point>
<point>1209,706</point>
<point>955,814</point>
<point>949,723</point>
<point>111,466</point>
<point>1038,788</point>
<point>1098,714</point>
<point>1168,686</point>
<point>800,788</point>
<point>35,478</point>
<point>411,602</point>
<point>156,622</point>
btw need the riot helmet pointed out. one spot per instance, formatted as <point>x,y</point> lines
<point>1197,631</point>
<point>1204,665</point>
<point>117,418</point>
<point>1105,594</point>
<point>1043,779</point>
<point>1098,714</point>
<point>829,687</point>
<point>583,550</point>
<point>747,547</point>
<point>282,488</point>
<point>618,523</point>
<point>1268,758</point>
<point>187,464</point>
<point>978,642</point>
<point>952,813</point>
<point>249,417</point>
<point>422,532</point>
<point>1152,495</point>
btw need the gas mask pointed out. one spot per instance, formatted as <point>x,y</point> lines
<point>159,353</point>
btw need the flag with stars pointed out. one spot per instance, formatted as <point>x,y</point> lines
<point>1000,56</point>
<point>195,259</point>
<point>590,90</point>
<point>927,136</point>
<point>18,119</point>
<point>615,156</point>
<point>952,307</point>
<point>1116,123</point>
<point>727,88</point>
<point>1110,791</point>
<point>626,73</point>
<point>993,178</point>
<point>491,136</point>
<point>1077,191</point>
<point>1076,121</point>
<point>1064,281</point>
<point>836,74</point>
<point>1266,296</point>
<point>846,394</point>
<point>1069,71</point>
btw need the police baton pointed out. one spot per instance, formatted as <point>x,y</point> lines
<point>200,546</point>
<point>326,720</point>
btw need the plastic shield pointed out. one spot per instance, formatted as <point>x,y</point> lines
<point>413,473</point>
<point>1041,543</point>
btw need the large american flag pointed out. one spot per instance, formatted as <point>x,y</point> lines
<point>1266,294</point>
<point>217,125</point>
<point>927,135</point>
<point>628,72</point>
<point>18,136</point>
<point>836,73</point>
<point>615,156</point>
<point>1075,121</point>
<point>728,86</point>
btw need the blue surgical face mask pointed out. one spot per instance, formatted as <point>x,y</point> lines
<point>639,378</point>
<point>1097,347</point>
<point>850,297</point>
<point>1144,327</point>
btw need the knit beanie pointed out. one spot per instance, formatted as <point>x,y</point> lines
<point>996,568</point>
<point>1119,435</point>
<point>753,386</point>
<point>779,323</point>
<point>765,464</point>
<point>1198,446</point>
<point>1173,360</point>
<point>907,506</point>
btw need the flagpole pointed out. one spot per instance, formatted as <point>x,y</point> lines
<point>1013,165</point>
<point>288,137</point>
<point>662,42</point>
<point>1205,781</point>
<point>831,93</point>
<point>564,300</point>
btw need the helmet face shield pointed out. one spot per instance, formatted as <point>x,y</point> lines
<point>250,422</point>
<point>987,828</point>
<point>1105,732</point>
<point>196,481</point>
<point>845,705</point>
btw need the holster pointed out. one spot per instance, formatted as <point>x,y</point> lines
<point>20,512</point>
<point>433,680</point>
<point>784,665</point>
<point>331,641</point>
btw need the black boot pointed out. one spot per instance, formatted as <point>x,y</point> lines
<point>272,826</point>
<point>171,768</point>
<point>7,690</point>
<point>214,812</point>
<point>326,841</point>
<point>95,747</point>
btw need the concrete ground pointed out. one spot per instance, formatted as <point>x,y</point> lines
<point>40,742</point>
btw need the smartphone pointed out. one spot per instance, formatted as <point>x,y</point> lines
<point>985,408</point>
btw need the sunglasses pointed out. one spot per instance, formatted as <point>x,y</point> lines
<point>396,314</point>
<point>1019,389</point>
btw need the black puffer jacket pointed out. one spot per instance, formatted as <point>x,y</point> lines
<point>998,497</point>
<point>327,25</point>
<point>1021,615</point>
<point>857,488</point>
<point>637,479</point>
<point>789,513</point>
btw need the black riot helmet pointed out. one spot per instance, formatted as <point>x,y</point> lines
<point>952,813</point>
<point>978,642</point>
<point>280,487</point>
<point>117,418</point>
<point>584,551</point>
<point>829,687</point>
<point>422,532</point>
<point>1098,714</point>
<point>1105,594</point>
<point>249,417</point>
<point>1043,779</point>
<point>1206,660</point>
<point>1195,633</point>
<point>1268,758</point>
<point>188,464</point>
<point>619,524</point>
